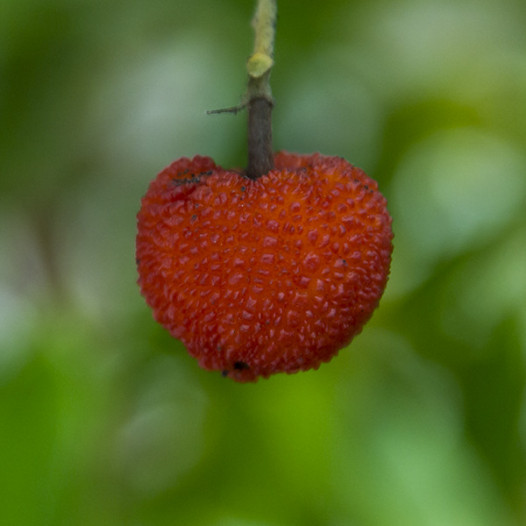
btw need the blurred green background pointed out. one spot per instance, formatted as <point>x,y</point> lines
<point>105,420</point>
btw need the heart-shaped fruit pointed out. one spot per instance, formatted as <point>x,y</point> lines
<point>263,276</point>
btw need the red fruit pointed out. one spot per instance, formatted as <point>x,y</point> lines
<point>263,276</point>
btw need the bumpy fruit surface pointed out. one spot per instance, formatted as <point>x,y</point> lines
<point>263,276</point>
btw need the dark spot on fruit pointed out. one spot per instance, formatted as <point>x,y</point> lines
<point>243,188</point>
<point>241,366</point>
<point>194,217</point>
<point>209,172</point>
<point>187,180</point>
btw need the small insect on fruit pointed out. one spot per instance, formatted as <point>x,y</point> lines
<point>267,275</point>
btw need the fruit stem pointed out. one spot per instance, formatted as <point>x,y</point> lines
<point>259,95</point>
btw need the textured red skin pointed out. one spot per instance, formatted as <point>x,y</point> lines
<point>265,276</point>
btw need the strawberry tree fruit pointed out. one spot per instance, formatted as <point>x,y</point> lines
<point>265,275</point>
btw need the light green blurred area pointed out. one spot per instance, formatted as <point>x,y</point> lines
<point>105,420</point>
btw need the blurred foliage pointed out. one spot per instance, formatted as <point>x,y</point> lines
<point>106,420</point>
